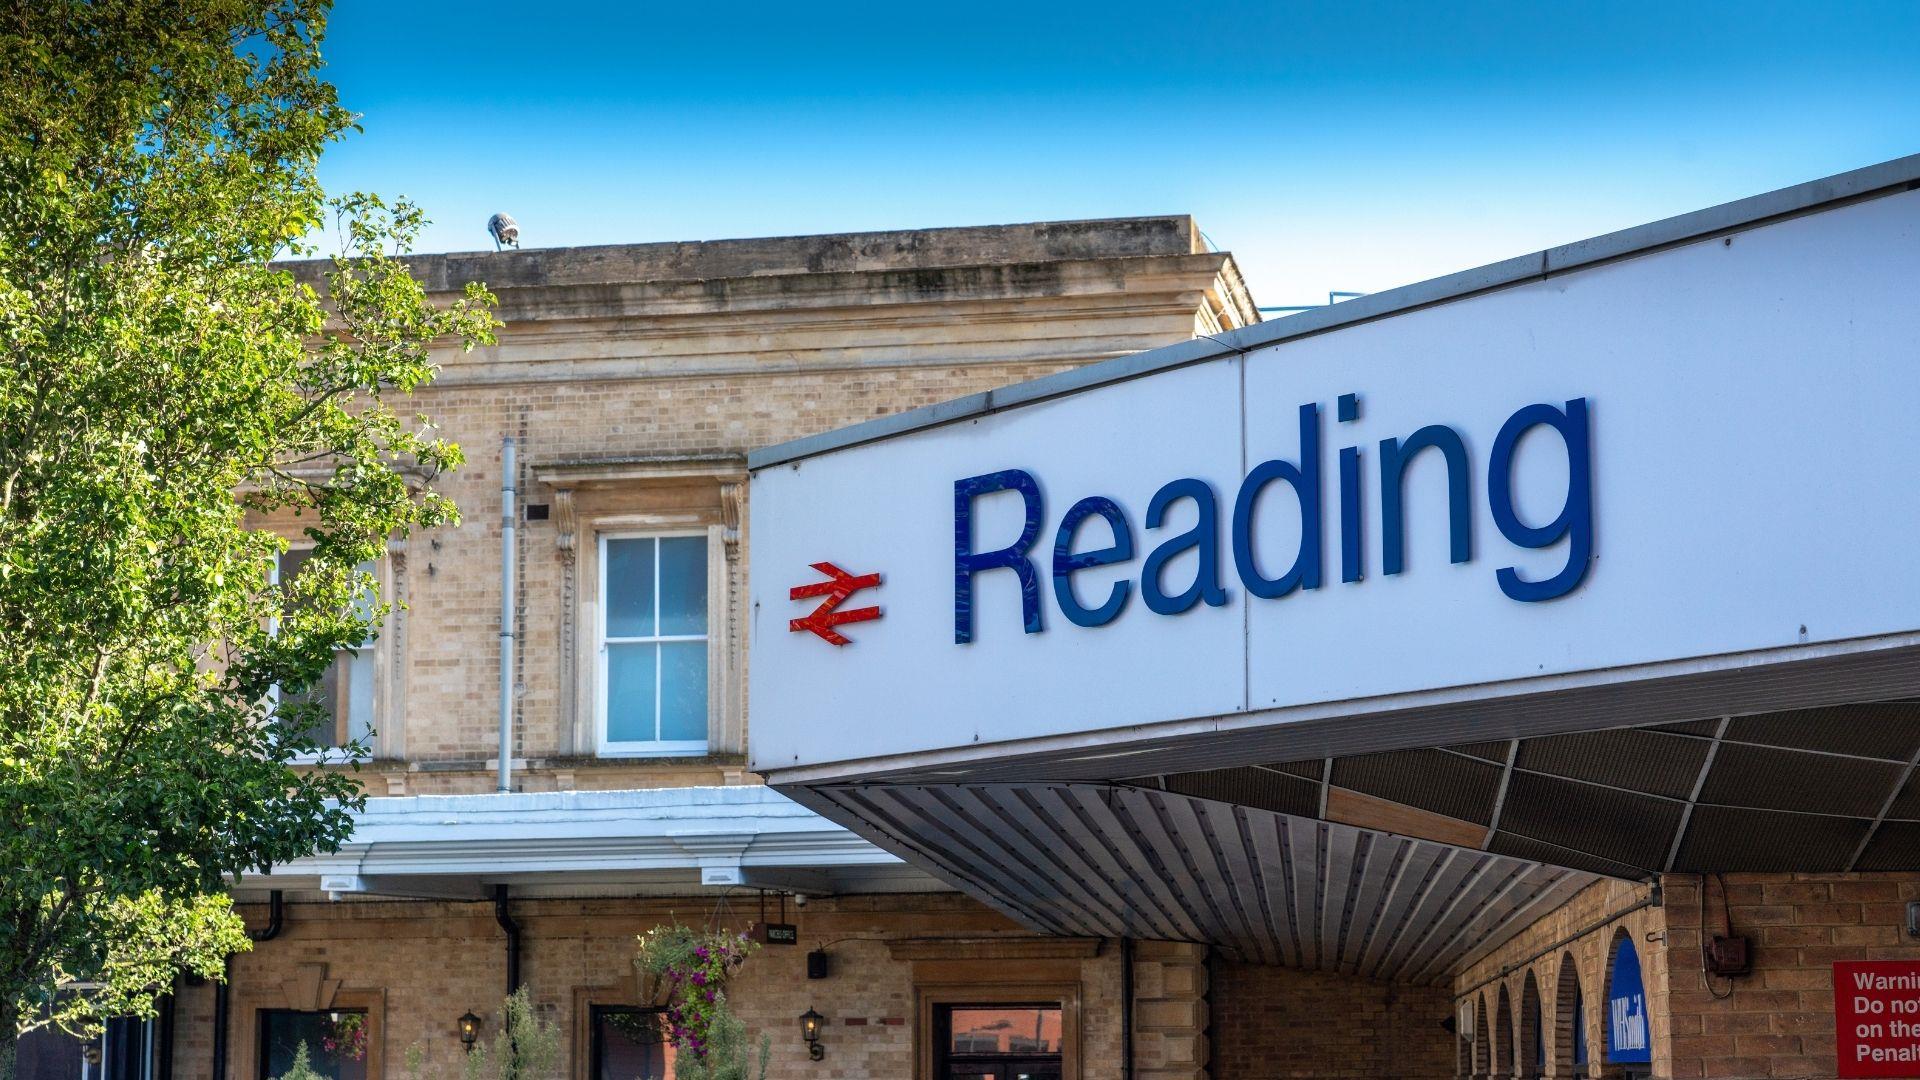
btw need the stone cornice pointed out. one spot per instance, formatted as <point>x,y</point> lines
<point>616,471</point>
<point>902,249</point>
<point>858,288</point>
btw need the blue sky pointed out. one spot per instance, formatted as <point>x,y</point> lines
<point>1350,146</point>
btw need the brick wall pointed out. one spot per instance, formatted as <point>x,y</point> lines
<point>434,961</point>
<point>452,583</point>
<point>1775,1022</point>
<point>1778,1022</point>
<point>1271,1023</point>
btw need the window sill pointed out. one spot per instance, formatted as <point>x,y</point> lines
<point>330,759</point>
<point>654,752</point>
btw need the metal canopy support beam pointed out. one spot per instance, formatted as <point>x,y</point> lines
<point>1500,796</point>
<point>1693,797</point>
<point>1886,807</point>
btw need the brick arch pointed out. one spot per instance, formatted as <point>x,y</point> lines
<point>1502,1041</point>
<point>1566,1015</point>
<point>1597,1049</point>
<point>1482,1032</point>
<point>1530,1062</point>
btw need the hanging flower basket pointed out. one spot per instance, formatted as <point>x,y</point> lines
<point>655,990</point>
<point>692,968</point>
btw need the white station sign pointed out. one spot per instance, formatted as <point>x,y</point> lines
<point>1703,451</point>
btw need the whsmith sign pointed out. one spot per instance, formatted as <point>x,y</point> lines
<point>1623,461</point>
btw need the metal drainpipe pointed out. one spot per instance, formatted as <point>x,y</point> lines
<point>502,916</point>
<point>275,912</point>
<point>506,613</point>
<point>1126,1008</point>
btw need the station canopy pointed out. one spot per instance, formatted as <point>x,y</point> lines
<point>1360,638</point>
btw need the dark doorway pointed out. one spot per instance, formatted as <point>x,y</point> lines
<point>127,1050</point>
<point>630,1044</point>
<point>998,1041</point>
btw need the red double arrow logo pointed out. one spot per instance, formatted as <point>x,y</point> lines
<point>838,586</point>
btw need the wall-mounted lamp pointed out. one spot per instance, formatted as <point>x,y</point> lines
<point>469,1030</point>
<point>810,1032</point>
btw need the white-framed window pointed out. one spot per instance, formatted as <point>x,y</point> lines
<point>346,693</point>
<point>653,644</point>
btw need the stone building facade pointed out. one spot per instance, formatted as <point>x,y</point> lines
<point>633,380</point>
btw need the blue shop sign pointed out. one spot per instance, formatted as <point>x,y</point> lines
<point>1627,1007</point>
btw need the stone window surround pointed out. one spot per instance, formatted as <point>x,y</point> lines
<point>308,991</point>
<point>625,996</point>
<point>389,656</point>
<point>988,971</point>
<point>634,496</point>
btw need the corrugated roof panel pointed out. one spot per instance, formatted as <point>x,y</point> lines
<point>1263,885</point>
<point>1883,729</point>
<point>1428,779</point>
<point>1262,788</point>
<point>1625,757</point>
<point>1607,822</point>
<point>1770,779</point>
<point>1725,838</point>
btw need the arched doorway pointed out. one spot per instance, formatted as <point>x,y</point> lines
<point>1482,1032</point>
<point>1629,1043</point>
<point>1569,1021</point>
<point>1532,1061</point>
<point>1502,1041</point>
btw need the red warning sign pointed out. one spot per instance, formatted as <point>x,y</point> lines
<point>1876,1017</point>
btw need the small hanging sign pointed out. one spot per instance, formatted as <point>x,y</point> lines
<point>767,933</point>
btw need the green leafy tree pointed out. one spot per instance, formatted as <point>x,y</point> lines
<point>166,390</point>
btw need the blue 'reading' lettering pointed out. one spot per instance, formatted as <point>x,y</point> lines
<point>967,562</point>
<point>1575,520</point>
<point>1302,477</point>
<point>1203,539</point>
<point>1066,561</point>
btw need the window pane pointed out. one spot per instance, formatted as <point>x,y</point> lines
<point>356,670</point>
<point>1005,1029</point>
<point>627,1045</point>
<point>336,1042</point>
<point>683,691</point>
<point>683,585</point>
<point>291,561</point>
<point>630,588</point>
<point>363,603</point>
<point>630,687</point>
<point>309,715</point>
